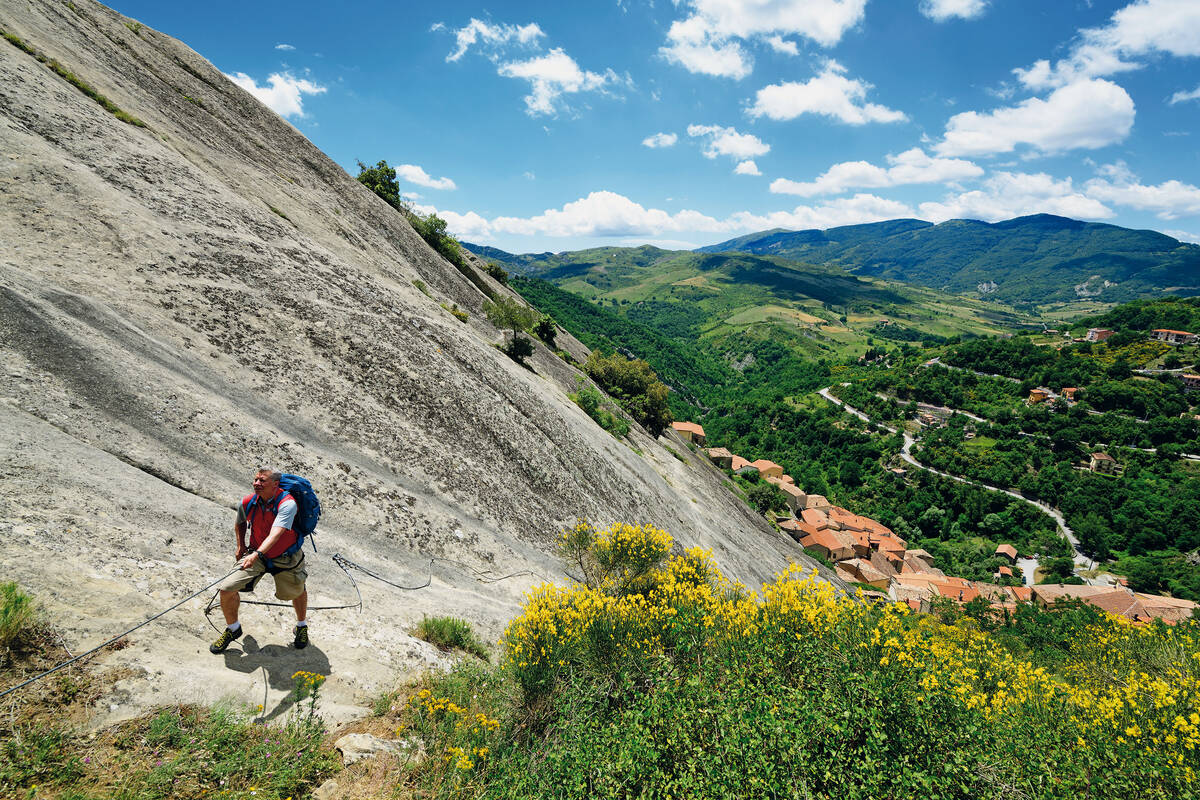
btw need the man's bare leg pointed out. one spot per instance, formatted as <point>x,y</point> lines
<point>230,602</point>
<point>301,606</point>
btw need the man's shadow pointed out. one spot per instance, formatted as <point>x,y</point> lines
<point>280,663</point>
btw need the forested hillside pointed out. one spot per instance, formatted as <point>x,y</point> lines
<point>1028,261</point>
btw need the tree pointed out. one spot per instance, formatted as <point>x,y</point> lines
<point>1057,570</point>
<point>507,314</point>
<point>767,497</point>
<point>546,329</point>
<point>381,179</point>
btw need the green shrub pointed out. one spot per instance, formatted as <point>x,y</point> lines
<point>421,287</point>
<point>18,613</point>
<point>456,312</point>
<point>451,633</point>
<point>693,686</point>
<point>593,403</point>
<point>766,497</point>
<point>496,271</point>
<point>635,387</point>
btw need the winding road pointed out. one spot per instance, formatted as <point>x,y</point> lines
<point>1082,562</point>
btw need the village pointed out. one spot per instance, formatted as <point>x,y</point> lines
<point>865,552</point>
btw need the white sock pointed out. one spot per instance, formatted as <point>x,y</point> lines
<point>235,627</point>
<point>302,623</point>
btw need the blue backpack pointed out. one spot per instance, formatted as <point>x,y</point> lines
<point>308,509</point>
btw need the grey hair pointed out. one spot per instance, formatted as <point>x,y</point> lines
<point>270,473</point>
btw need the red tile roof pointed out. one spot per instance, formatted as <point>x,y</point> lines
<point>688,427</point>
<point>1006,550</point>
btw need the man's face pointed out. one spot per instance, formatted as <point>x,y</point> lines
<point>264,486</point>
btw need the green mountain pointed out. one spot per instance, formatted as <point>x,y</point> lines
<point>721,299</point>
<point>1028,261</point>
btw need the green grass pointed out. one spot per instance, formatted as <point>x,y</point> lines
<point>451,633</point>
<point>18,613</point>
<point>73,79</point>
<point>980,443</point>
<point>279,213</point>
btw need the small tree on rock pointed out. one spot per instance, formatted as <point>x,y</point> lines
<point>507,314</point>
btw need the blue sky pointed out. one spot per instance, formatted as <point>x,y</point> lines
<point>556,126</point>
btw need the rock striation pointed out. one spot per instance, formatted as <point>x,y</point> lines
<point>185,301</point>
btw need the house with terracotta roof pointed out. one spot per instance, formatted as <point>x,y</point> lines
<point>1008,551</point>
<point>818,519</point>
<point>1097,334</point>
<point>768,469</point>
<point>1004,572</point>
<point>690,432</point>
<point>1069,393</point>
<point>861,571</point>
<point>817,502</point>
<point>795,495</point>
<point>830,544</point>
<point>1104,464</point>
<point>721,457</point>
<point>797,529</point>
<point>1191,383</point>
<point>1039,395</point>
<point>1120,601</point>
<point>1173,337</point>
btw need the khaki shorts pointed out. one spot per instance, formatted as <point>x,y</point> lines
<point>289,581</point>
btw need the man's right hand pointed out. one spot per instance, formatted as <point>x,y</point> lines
<point>242,550</point>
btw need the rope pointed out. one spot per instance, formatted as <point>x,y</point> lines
<point>342,562</point>
<point>337,559</point>
<point>82,656</point>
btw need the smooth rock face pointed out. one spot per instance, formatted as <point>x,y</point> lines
<point>182,303</point>
<point>354,747</point>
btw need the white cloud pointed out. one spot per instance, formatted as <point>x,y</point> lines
<point>781,45</point>
<point>660,140</point>
<point>283,94</point>
<point>707,42</point>
<point>1168,200</point>
<point>1180,97</point>
<point>854,210</point>
<point>604,213</point>
<point>831,93</point>
<point>695,49</point>
<point>1184,236</point>
<point>551,76</point>
<point>607,214</point>
<point>411,197</point>
<point>911,166</point>
<point>529,176</point>
<point>282,46</point>
<point>1144,27</point>
<point>747,167</point>
<point>1011,194</point>
<point>1089,114</point>
<point>414,174</point>
<point>491,35</point>
<point>728,142</point>
<point>942,10</point>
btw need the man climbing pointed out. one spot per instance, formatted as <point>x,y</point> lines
<point>269,514</point>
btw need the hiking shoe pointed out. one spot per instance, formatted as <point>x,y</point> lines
<point>224,640</point>
<point>301,637</point>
